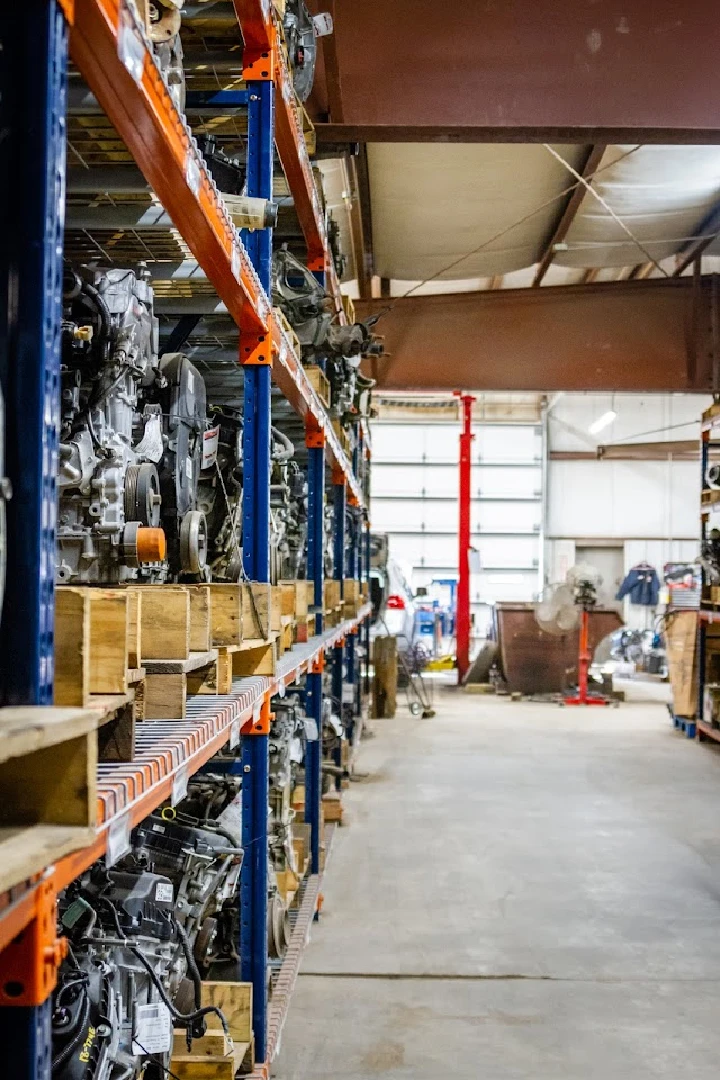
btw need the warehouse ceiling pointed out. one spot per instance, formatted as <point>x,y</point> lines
<point>483,216</point>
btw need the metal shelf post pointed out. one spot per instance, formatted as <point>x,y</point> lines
<point>339,508</point>
<point>33,95</point>
<point>256,561</point>
<point>315,442</point>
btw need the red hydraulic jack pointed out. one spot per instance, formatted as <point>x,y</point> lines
<point>584,657</point>
<point>462,614</point>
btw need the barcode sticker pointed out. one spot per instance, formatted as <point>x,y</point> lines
<point>118,841</point>
<point>234,734</point>
<point>152,1032</point>
<point>311,729</point>
<point>179,788</point>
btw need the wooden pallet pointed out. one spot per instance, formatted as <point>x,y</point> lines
<point>215,1056</point>
<point>48,787</point>
<point>319,382</point>
<point>351,598</point>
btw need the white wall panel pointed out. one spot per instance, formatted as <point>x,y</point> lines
<point>507,442</point>
<point>508,483</point>
<point>624,499</point>
<point>413,479</point>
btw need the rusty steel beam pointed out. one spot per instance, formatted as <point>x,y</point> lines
<point>568,212</point>
<point>527,71</point>
<point>361,221</point>
<point>628,335</point>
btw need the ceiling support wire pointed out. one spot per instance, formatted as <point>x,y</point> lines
<point>509,228</point>
<point>596,195</point>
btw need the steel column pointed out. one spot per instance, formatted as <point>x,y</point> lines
<point>366,578</point>
<point>256,561</point>
<point>33,94</point>
<point>313,768</point>
<point>462,632</point>
<point>313,760</point>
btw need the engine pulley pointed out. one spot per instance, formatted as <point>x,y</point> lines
<point>193,542</point>
<point>142,494</point>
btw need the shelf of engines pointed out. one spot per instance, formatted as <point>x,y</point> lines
<point>110,48</point>
<point>170,751</point>
<point>289,376</point>
<point>111,51</point>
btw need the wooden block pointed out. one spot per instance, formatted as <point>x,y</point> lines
<point>165,697</point>
<point>258,609</point>
<point>134,600</point>
<point>287,882</point>
<point>227,614</point>
<point>204,680</point>
<point>48,774</point>
<point>108,640</point>
<point>385,680</point>
<point>200,618</point>
<point>27,850</point>
<point>331,594</point>
<point>224,671</point>
<point>332,807</point>
<point>116,736</point>
<point>275,609</point>
<point>258,660</point>
<point>198,1067</point>
<point>72,646</point>
<point>288,597</point>
<point>214,1043</point>
<point>235,1001</point>
<point>317,379</point>
<point>164,622</point>
<point>245,1057</point>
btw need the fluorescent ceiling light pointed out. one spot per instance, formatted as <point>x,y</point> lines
<point>602,422</point>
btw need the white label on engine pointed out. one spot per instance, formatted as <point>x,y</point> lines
<point>348,693</point>
<point>164,892</point>
<point>179,788</point>
<point>210,447</point>
<point>188,468</point>
<point>118,841</point>
<point>311,729</point>
<point>234,734</point>
<point>153,1029</point>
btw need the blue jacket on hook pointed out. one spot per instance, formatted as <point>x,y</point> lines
<point>641,585</point>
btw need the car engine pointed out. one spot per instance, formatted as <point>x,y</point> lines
<point>305,305</point>
<point>141,936</point>
<point>162,23</point>
<point>132,439</point>
<point>301,31</point>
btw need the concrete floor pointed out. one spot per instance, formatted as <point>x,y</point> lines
<point>521,891</point>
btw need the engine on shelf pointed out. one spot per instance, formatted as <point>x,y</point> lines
<point>141,936</point>
<point>301,31</point>
<point>288,510</point>
<point>307,308</point>
<point>131,441</point>
<point>162,23</point>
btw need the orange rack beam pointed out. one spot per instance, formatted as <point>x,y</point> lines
<point>109,47</point>
<point>169,752</point>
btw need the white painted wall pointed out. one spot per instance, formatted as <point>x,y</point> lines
<point>652,507</point>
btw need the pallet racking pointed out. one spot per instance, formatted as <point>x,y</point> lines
<point>709,609</point>
<point>107,43</point>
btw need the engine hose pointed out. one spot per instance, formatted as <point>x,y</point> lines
<point>192,966</point>
<point>102,309</point>
<point>289,447</point>
<point>70,1048</point>
<point>182,1018</point>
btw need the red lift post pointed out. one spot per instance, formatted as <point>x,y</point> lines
<point>462,620</point>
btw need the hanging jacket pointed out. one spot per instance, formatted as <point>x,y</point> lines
<point>641,585</point>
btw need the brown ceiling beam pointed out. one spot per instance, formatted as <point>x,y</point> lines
<point>628,335</point>
<point>568,212</point>
<point>527,71</point>
<point>361,221</point>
